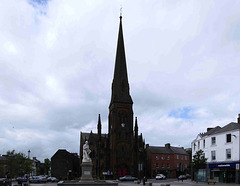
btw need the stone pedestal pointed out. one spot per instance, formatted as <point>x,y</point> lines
<point>87,171</point>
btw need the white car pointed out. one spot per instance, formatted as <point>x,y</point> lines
<point>160,177</point>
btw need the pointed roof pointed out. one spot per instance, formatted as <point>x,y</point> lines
<point>99,123</point>
<point>120,85</point>
<point>136,125</point>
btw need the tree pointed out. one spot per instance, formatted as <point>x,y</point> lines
<point>18,164</point>
<point>47,165</point>
<point>199,161</point>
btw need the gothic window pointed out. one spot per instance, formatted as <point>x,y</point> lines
<point>122,118</point>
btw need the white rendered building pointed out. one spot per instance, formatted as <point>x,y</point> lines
<point>221,146</point>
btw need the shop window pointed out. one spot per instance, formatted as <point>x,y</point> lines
<point>162,157</point>
<point>157,157</point>
<point>228,137</point>
<point>228,153</point>
<point>168,157</point>
<point>213,154</point>
<point>162,165</point>
<point>213,140</point>
<point>157,165</point>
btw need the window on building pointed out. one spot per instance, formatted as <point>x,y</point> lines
<point>194,146</point>
<point>162,157</point>
<point>182,157</point>
<point>204,143</point>
<point>168,157</point>
<point>185,157</point>
<point>177,156</point>
<point>168,165</point>
<point>213,155</point>
<point>185,165</point>
<point>177,164</point>
<point>213,140</point>
<point>157,165</point>
<point>162,165</point>
<point>198,145</point>
<point>157,157</point>
<point>229,138</point>
<point>228,153</point>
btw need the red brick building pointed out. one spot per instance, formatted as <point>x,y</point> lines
<point>167,160</point>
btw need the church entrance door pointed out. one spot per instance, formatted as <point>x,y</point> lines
<point>122,171</point>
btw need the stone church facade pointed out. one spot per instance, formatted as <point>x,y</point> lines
<point>122,150</point>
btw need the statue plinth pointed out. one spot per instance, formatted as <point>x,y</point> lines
<point>87,171</point>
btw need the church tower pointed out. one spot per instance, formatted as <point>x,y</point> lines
<point>120,120</point>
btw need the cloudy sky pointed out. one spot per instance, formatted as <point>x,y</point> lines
<point>57,59</point>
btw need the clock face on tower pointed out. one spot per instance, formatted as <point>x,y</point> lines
<point>123,124</point>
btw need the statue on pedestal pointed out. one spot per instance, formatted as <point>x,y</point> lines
<point>86,152</point>
<point>86,164</point>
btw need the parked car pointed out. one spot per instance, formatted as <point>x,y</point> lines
<point>127,178</point>
<point>34,179</point>
<point>182,177</point>
<point>52,179</point>
<point>160,177</point>
<point>5,181</point>
<point>43,179</point>
<point>20,180</point>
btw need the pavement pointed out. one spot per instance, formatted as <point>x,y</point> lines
<point>174,182</point>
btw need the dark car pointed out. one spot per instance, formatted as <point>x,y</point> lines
<point>5,181</point>
<point>52,179</point>
<point>43,179</point>
<point>127,178</point>
<point>182,177</point>
<point>34,179</point>
<point>20,180</point>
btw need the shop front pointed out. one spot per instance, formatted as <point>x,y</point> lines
<point>224,172</point>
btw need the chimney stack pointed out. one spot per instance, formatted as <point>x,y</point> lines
<point>167,145</point>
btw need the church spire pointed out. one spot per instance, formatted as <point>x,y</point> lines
<point>120,85</point>
<point>99,126</point>
<point>136,127</point>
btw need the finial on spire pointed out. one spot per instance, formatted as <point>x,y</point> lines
<point>121,12</point>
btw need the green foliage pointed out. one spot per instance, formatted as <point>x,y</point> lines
<point>45,167</point>
<point>199,160</point>
<point>18,164</point>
